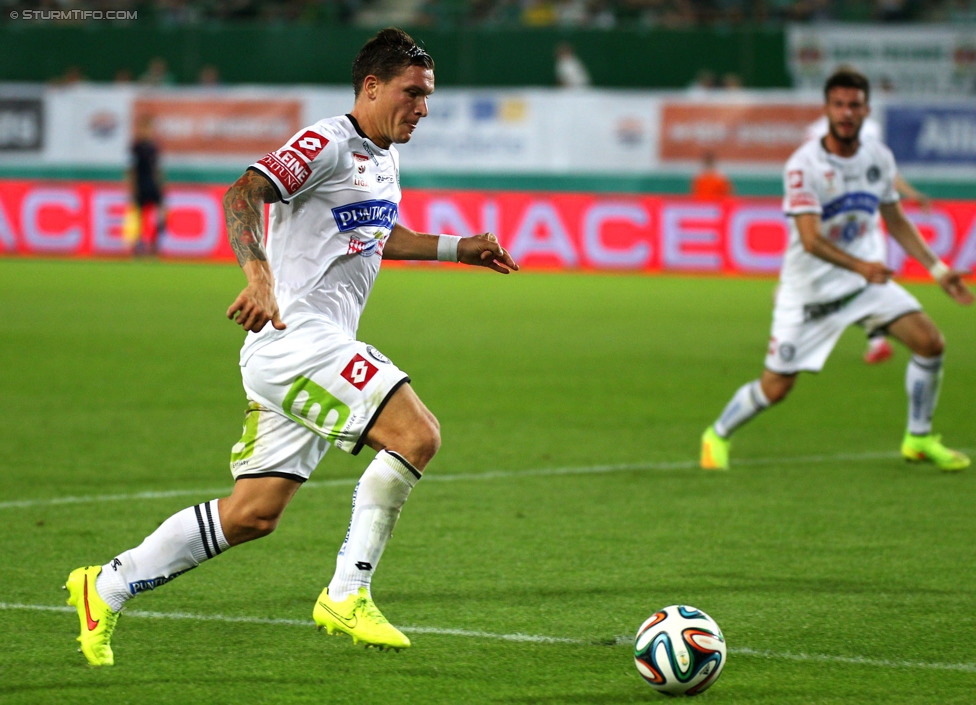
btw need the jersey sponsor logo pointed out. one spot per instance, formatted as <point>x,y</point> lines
<point>795,178</point>
<point>850,203</point>
<point>310,144</point>
<point>375,213</point>
<point>289,167</point>
<point>802,200</point>
<point>359,372</point>
<point>364,248</point>
<point>143,585</point>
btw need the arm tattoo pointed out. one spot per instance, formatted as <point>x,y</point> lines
<point>244,214</point>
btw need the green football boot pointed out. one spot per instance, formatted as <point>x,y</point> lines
<point>714,450</point>
<point>929,449</point>
<point>359,617</point>
<point>97,618</point>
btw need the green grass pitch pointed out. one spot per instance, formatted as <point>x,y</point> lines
<point>565,505</point>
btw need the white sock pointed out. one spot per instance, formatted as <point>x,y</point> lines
<point>747,402</point>
<point>376,502</point>
<point>922,381</point>
<point>182,542</point>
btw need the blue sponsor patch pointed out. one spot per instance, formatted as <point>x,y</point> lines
<point>855,201</point>
<point>372,214</point>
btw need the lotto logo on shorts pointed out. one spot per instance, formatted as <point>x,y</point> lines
<point>359,372</point>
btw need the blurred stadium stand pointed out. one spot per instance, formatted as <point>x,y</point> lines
<point>597,14</point>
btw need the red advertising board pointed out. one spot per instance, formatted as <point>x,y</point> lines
<point>734,132</point>
<point>542,230</point>
<point>210,125</point>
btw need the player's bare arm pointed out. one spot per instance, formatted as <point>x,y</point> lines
<point>482,250</point>
<point>904,232</point>
<point>808,225</point>
<point>244,213</point>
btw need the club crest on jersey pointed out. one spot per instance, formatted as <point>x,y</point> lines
<point>374,213</point>
<point>360,179</point>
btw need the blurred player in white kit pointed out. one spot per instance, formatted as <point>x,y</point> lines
<point>834,276</point>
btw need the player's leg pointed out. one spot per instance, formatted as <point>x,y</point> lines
<point>274,456</point>
<point>923,379</point>
<point>798,342</point>
<point>750,400</point>
<point>879,349</point>
<point>406,436</point>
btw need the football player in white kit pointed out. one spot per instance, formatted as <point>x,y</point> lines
<point>834,276</point>
<point>333,189</point>
<point>879,349</point>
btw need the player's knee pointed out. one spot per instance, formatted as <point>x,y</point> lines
<point>241,527</point>
<point>932,346</point>
<point>427,440</point>
<point>778,389</point>
<point>421,443</point>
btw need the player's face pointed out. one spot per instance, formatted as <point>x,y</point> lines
<point>846,110</point>
<point>401,102</point>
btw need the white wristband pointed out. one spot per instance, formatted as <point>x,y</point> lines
<point>939,270</point>
<point>447,248</point>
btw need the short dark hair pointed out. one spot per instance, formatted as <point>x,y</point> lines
<point>386,55</point>
<point>848,78</point>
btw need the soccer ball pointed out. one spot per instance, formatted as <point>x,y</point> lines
<point>679,650</point>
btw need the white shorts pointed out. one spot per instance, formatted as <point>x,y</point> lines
<point>306,389</point>
<point>803,337</point>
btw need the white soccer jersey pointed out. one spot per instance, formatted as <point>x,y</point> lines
<point>846,193</point>
<point>340,193</point>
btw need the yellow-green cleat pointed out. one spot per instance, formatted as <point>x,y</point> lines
<point>714,450</point>
<point>359,617</point>
<point>929,449</point>
<point>97,618</point>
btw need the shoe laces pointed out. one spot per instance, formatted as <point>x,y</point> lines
<point>370,610</point>
<point>110,617</point>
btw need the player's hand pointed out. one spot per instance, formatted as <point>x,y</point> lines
<point>254,307</point>
<point>484,250</point>
<point>875,272</point>
<point>954,286</point>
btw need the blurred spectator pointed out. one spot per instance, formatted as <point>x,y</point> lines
<point>703,84</point>
<point>570,70</point>
<point>571,13</point>
<point>72,76</point>
<point>157,73</point>
<point>892,10</point>
<point>710,183</point>
<point>539,13</point>
<point>208,76</point>
<point>732,81</point>
<point>123,75</point>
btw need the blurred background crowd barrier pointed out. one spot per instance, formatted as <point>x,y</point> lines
<point>655,86</point>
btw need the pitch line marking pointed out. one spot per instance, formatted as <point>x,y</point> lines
<point>434,477</point>
<point>525,638</point>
